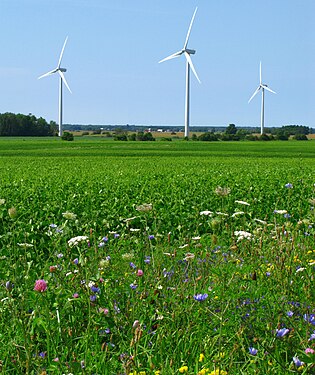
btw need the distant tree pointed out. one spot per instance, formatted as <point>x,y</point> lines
<point>132,137</point>
<point>141,136</point>
<point>194,137</point>
<point>208,137</point>
<point>300,137</point>
<point>66,136</point>
<point>25,125</point>
<point>231,129</point>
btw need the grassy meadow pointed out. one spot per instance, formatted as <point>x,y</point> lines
<point>156,257</point>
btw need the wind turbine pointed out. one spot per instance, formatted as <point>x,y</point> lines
<point>189,65</point>
<point>60,71</point>
<point>262,87</point>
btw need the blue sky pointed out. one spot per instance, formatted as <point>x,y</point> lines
<point>113,52</point>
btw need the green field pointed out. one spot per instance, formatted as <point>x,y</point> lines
<point>197,258</point>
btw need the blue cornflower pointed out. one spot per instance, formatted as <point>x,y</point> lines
<point>290,313</point>
<point>105,239</point>
<point>53,225</point>
<point>42,354</point>
<point>147,259</point>
<point>101,244</point>
<point>282,332</point>
<point>132,265</point>
<point>76,261</point>
<point>297,362</point>
<point>116,235</point>
<point>288,185</point>
<point>200,297</point>
<point>151,237</point>
<point>312,337</point>
<point>310,318</point>
<point>93,298</point>
<point>133,286</point>
<point>287,216</point>
<point>95,289</point>
<point>252,351</point>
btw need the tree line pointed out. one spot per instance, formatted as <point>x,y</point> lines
<point>12,124</point>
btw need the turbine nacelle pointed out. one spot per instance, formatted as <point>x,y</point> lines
<point>62,69</point>
<point>190,51</point>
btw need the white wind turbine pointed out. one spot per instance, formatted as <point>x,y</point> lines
<point>60,71</point>
<point>189,65</point>
<point>262,87</point>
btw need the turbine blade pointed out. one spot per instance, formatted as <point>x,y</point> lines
<point>257,90</point>
<point>188,58</point>
<point>268,89</point>
<point>48,74</point>
<point>64,79</point>
<point>176,54</point>
<point>61,54</point>
<point>260,74</point>
<point>189,30</point>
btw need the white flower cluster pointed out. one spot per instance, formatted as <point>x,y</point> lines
<point>69,215</point>
<point>76,240</point>
<point>241,235</point>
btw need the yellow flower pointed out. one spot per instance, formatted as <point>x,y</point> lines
<point>157,372</point>
<point>218,372</point>
<point>203,371</point>
<point>183,369</point>
<point>201,357</point>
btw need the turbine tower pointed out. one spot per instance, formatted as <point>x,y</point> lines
<point>61,72</point>
<point>262,87</point>
<point>189,65</point>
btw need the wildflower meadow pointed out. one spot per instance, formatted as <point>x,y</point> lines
<point>158,258</point>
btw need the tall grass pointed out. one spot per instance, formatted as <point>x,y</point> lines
<point>170,274</point>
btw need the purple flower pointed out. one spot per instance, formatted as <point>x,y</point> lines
<point>93,298</point>
<point>116,235</point>
<point>42,354</point>
<point>290,313</point>
<point>133,286</point>
<point>105,239</point>
<point>288,186</point>
<point>200,297</point>
<point>95,289</point>
<point>310,318</point>
<point>76,261</point>
<point>53,225</point>
<point>60,255</point>
<point>282,332</point>
<point>312,337</point>
<point>252,351</point>
<point>151,237</point>
<point>297,362</point>
<point>132,265</point>
<point>40,286</point>
<point>101,244</point>
<point>9,286</point>
<point>287,216</point>
<point>75,295</point>
<point>147,259</point>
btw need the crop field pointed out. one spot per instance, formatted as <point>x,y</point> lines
<point>156,257</point>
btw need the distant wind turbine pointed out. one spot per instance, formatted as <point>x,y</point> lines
<point>60,71</point>
<point>262,87</point>
<point>189,65</point>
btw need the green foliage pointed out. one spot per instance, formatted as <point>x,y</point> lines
<point>208,137</point>
<point>300,137</point>
<point>66,136</point>
<point>231,223</point>
<point>231,129</point>
<point>25,125</point>
<point>144,136</point>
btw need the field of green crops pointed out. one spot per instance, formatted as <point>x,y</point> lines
<point>156,258</point>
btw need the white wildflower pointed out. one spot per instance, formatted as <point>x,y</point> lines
<point>280,212</point>
<point>300,269</point>
<point>222,191</point>
<point>189,256</point>
<point>261,221</point>
<point>206,213</point>
<point>69,215</point>
<point>144,207</point>
<point>197,238</point>
<point>243,203</point>
<point>241,234</point>
<point>25,245</point>
<point>221,213</point>
<point>128,256</point>
<point>183,246</point>
<point>237,213</point>
<point>134,230</point>
<point>2,201</point>
<point>76,240</point>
